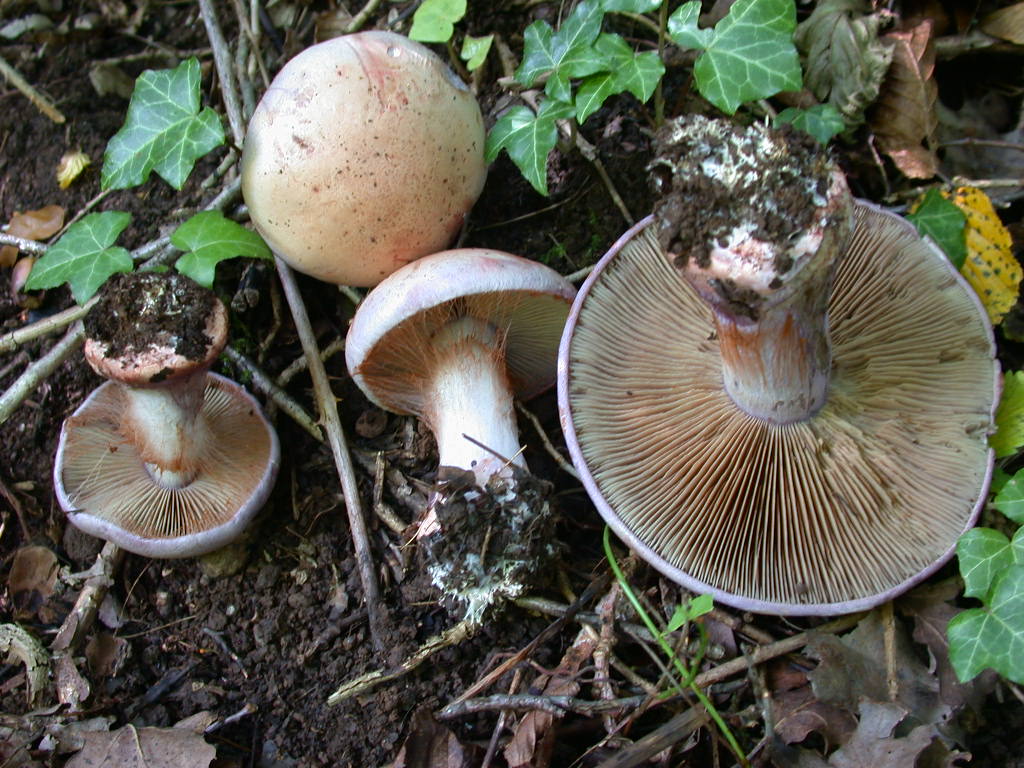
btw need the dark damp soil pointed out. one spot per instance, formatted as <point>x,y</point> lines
<point>263,633</point>
<point>142,310</point>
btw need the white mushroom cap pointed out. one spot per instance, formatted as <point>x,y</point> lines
<point>388,344</point>
<point>365,153</point>
<point>104,486</point>
<point>832,514</point>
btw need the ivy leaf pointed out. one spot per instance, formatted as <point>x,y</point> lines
<point>984,553</point>
<point>941,220</point>
<point>637,73</point>
<point>631,6</point>
<point>164,130</point>
<point>992,636</point>
<point>1009,434</point>
<point>564,54</point>
<point>749,56</point>
<point>683,29</point>
<point>434,21</point>
<point>528,138</point>
<point>822,121</point>
<point>475,50</point>
<point>209,238</point>
<point>1010,498</point>
<point>85,256</point>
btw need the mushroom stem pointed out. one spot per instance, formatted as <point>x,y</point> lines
<point>470,396</point>
<point>770,304</point>
<point>165,423</point>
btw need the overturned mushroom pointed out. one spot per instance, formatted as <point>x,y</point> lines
<point>165,459</point>
<point>452,338</point>
<point>365,153</point>
<point>752,434</point>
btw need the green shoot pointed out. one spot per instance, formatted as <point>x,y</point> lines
<point>694,608</point>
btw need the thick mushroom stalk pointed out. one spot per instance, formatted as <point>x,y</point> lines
<point>764,269</point>
<point>469,405</point>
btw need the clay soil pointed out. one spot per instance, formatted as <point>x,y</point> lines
<point>263,634</point>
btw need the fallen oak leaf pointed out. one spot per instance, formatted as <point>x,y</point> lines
<point>903,118</point>
<point>130,747</point>
<point>798,713</point>
<point>873,744</point>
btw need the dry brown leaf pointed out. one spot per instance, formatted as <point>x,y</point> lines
<point>904,118</point>
<point>129,747</point>
<point>534,728</point>
<point>106,653</point>
<point>1006,23</point>
<point>31,580</point>
<point>873,745</point>
<point>432,745</point>
<point>34,225</point>
<point>798,713</point>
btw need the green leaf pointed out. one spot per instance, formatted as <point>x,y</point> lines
<point>992,636</point>
<point>164,130</point>
<point>845,59</point>
<point>475,50</point>
<point>750,56</point>
<point>1009,434</point>
<point>564,54</point>
<point>434,20</point>
<point>683,29</point>
<point>630,6</point>
<point>85,256</point>
<point>982,554</point>
<point>528,139</point>
<point>209,238</point>
<point>944,222</point>
<point>637,73</point>
<point>822,121</point>
<point>686,612</point>
<point>1010,498</point>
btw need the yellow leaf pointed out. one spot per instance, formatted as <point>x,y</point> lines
<point>70,165</point>
<point>990,266</point>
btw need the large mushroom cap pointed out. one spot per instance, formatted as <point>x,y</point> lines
<point>103,484</point>
<point>365,153</point>
<point>831,514</point>
<point>388,345</point>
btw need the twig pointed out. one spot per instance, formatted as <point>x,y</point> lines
<point>11,341</point>
<point>282,399</point>
<point>452,636</point>
<point>549,447</point>
<point>222,61</point>
<point>23,243</point>
<point>672,732</point>
<point>31,377</point>
<point>554,705</point>
<point>78,622</point>
<point>360,18</point>
<point>328,407</point>
<point>41,103</point>
<point>972,142</point>
<point>299,364</point>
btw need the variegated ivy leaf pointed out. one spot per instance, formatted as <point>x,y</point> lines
<point>993,636</point>
<point>164,131</point>
<point>984,553</point>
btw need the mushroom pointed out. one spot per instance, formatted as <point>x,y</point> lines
<point>164,459</point>
<point>366,152</point>
<point>452,338</point>
<point>798,425</point>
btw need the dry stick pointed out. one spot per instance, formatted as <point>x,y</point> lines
<point>23,243</point>
<point>222,60</point>
<point>11,341</point>
<point>42,103</point>
<point>31,377</point>
<point>360,18</point>
<point>282,399</point>
<point>672,732</point>
<point>548,446</point>
<point>328,408</point>
<point>78,622</point>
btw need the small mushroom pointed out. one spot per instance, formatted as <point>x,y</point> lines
<point>775,394</point>
<point>452,338</point>
<point>165,459</point>
<point>365,153</point>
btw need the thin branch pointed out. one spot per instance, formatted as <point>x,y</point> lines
<point>222,61</point>
<point>41,103</point>
<point>360,18</point>
<point>23,243</point>
<point>35,373</point>
<point>554,705</point>
<point>14,339</point>
<point>328,408</point>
